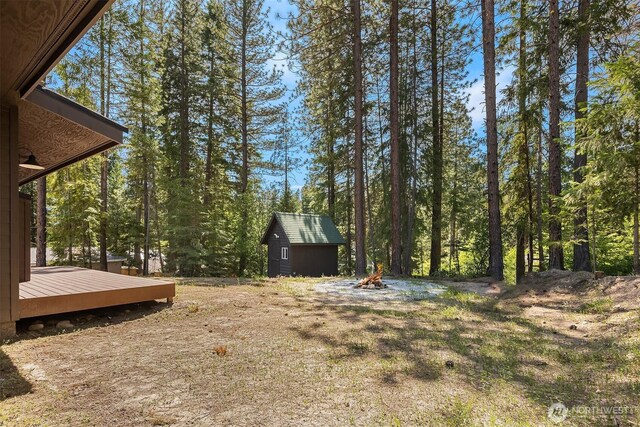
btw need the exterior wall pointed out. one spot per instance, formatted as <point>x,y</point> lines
<point>314,260</point>
<point>276,265</point>
<point>25,238</point>
<point>9,221</point>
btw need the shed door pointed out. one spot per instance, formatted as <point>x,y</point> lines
<point>274,257</point>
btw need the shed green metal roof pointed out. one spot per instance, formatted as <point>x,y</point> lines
<point>307,229</point>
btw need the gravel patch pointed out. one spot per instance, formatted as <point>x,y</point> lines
<point>396,290</point>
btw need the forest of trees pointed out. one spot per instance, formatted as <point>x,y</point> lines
<point>381,116</point>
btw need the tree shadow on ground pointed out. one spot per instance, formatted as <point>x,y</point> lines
<point>87,319</point>
<point>11,382</point>
<point>486,345</point>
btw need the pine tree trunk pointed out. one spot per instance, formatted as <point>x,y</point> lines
<point>184,109</point>
<point>385,174</point>
<point>594,233</point>
<point>244,173</point>
<point>331,176</point>
<point>70,235</point>
<point>581,256</point>
<point>104,174</point>
<point>496,263</point>
<point>287,195</point>
<point>436,217</point>
<point>41,222</point>
<point>541,264</point>
<point>360,232</point>
<point>636,212</point>
<point>349,234</point>
<point>145,196</point>
<point>411,209</point>
<point>146,199</point>
<point>636,232</point>
<point>184,148</point>
<point>524,178</point>
<point>529,187</point>
<point>367,187</point>
<point>208,168</point>
<point>453,247</point>
<point>104,163</point>
<point>137,260</point>
<point>405,172</point>
<point>207,199</point>
<point>331,171</point>
<point>146,225</point>
<point>156,219</point>
<point>530,206</point>
<point>396,245</point>
<point>520,254</point>
<point>556,255</point>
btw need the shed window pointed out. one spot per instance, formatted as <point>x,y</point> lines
<point>284,253</point>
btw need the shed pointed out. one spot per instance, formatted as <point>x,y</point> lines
<point>302,245</point>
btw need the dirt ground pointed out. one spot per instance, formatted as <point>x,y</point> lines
<point>277,353</point>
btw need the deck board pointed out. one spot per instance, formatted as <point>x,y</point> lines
<point>54,290</point>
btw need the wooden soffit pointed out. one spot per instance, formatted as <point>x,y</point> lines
<point>59,132</point>
<point>35,35</point>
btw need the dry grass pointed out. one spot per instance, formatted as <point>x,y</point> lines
<point>296,359</point>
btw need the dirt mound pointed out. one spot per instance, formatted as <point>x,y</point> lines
<point>558,280</point>
<point>620,292</point>
<point>624,291</point>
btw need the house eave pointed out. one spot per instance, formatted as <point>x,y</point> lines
<point>35,36</point>
<point>74,33</point>
<point>60,132</point>
<point>265,235</point>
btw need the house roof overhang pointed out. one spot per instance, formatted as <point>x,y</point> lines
<point>35,35</point>
<point>305,229</point>
<point>59,132</point>
<point>265,235</point>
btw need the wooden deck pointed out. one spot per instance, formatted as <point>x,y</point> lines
<point>53,290</point>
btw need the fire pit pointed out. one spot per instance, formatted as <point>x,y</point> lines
<point>398,290</point>
<point>373,281</point>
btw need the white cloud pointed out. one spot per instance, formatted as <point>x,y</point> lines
<point>476,96</point>
<point>476,104</point>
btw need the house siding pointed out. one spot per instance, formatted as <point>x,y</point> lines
<point>9,221</point>
<point>314,260</point>
<point>278,266</point>
<point>305,259</point>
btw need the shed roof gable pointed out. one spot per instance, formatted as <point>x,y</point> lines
<point>306,229</point>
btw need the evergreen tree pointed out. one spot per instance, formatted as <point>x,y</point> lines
<point>142,88</point>
<point>286,159</point>
<point>496,267</point>
<point>181,89</point>
<point>252,38</point>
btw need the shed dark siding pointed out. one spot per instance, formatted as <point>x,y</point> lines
<point>314,260</point>
<point>278,266</point>
<point>312,241</point>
